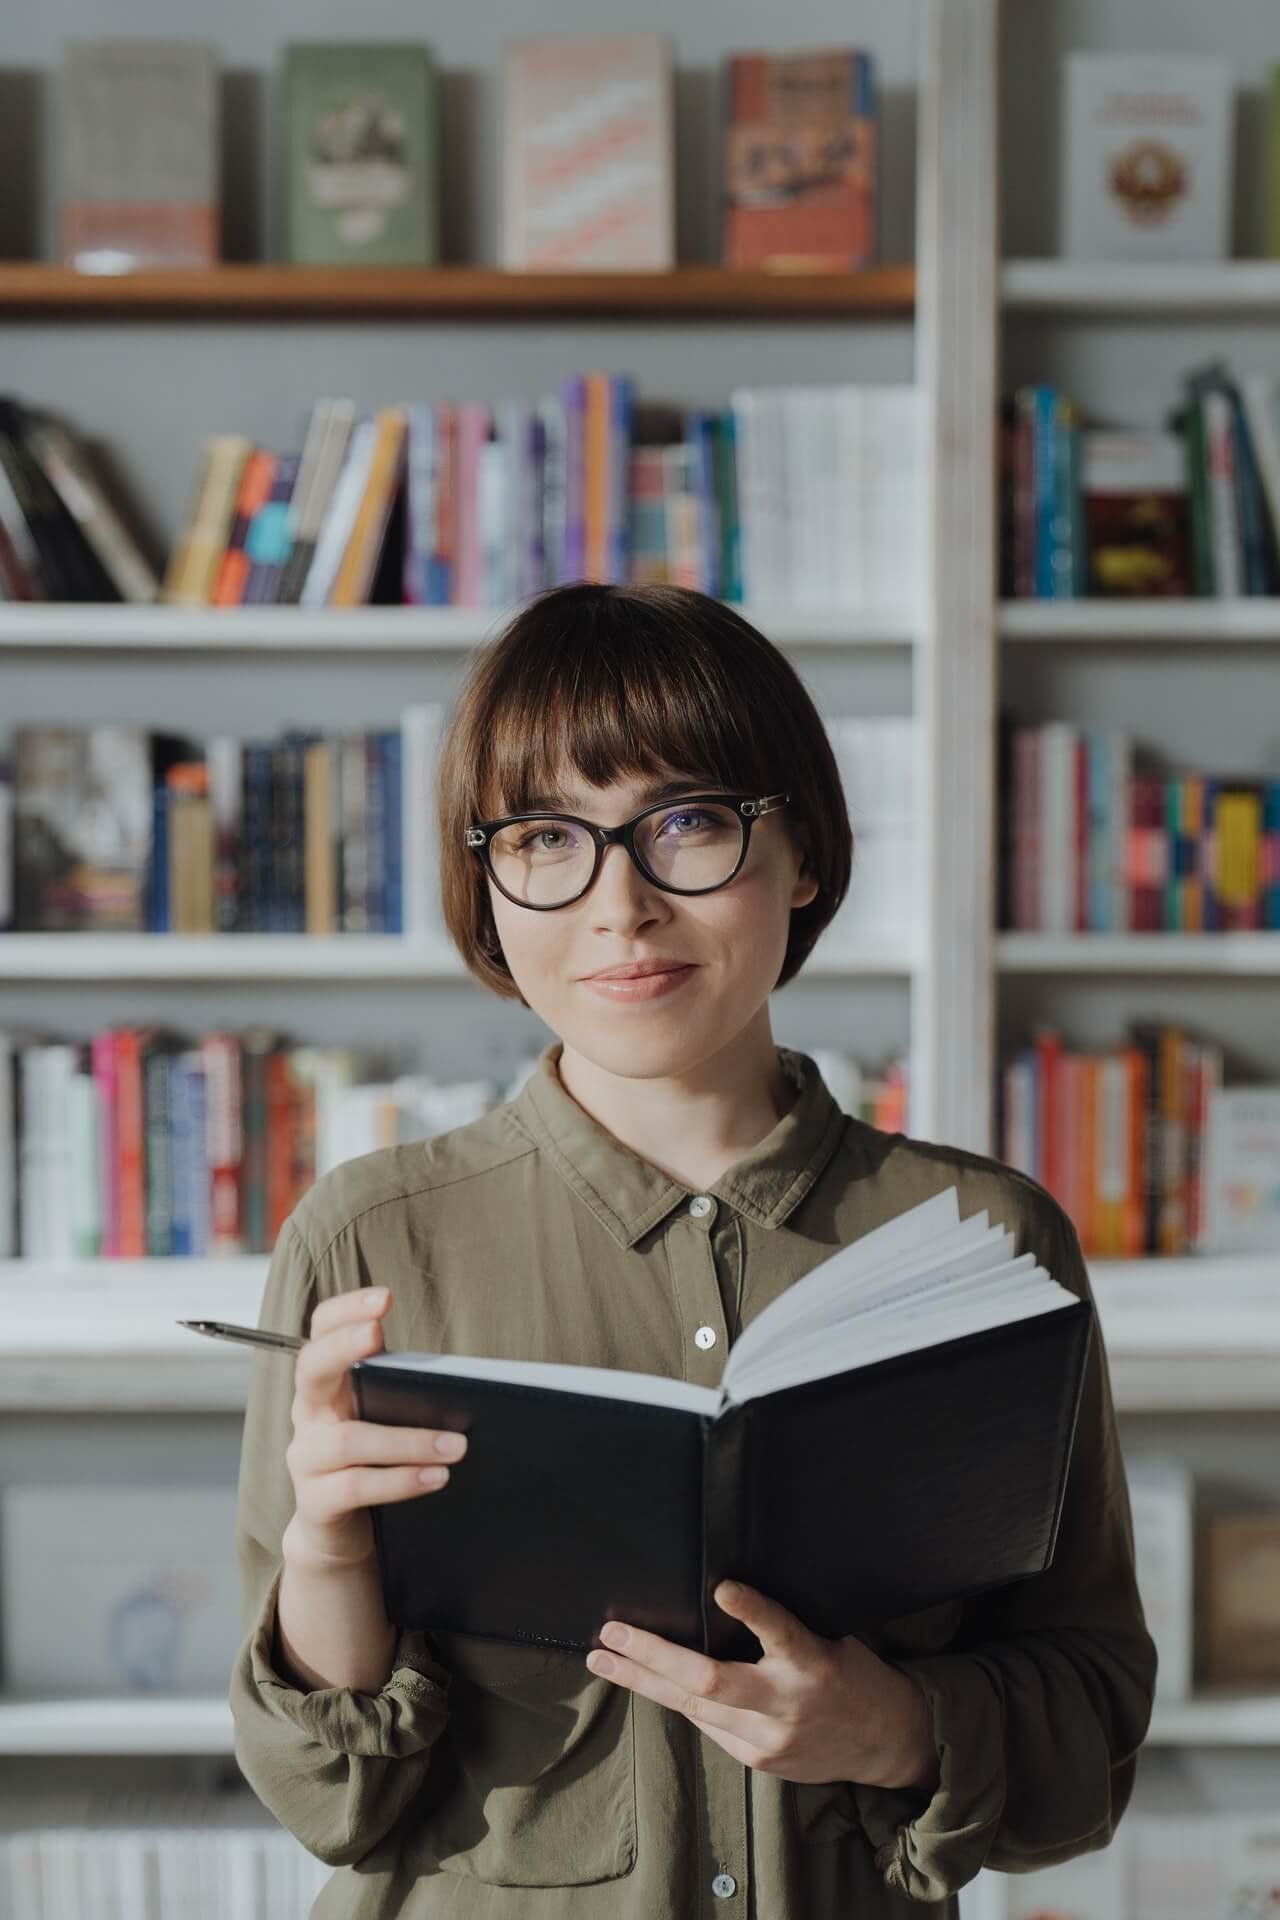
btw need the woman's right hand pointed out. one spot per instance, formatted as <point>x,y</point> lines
<point>341,1465</point>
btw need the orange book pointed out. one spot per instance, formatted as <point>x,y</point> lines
<point>1135,1200</point>
<point>130,1175</point>
<point>359,565</point>
<point>1048,1050</point>
<point>1171,1216</point>
<point>1090,1145</point>
<point>800,161</point>
<point>255,490</point>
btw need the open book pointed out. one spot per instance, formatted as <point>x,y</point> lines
<point>893,1431</point>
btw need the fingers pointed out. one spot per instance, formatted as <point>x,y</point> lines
<point>331,1495</point>
<point>344,1329</point>
<point>329,1446</point>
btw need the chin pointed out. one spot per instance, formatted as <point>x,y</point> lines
<point>635,1050</point>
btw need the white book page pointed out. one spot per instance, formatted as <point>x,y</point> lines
<point>894,1336</point>
<point>610,1383</point>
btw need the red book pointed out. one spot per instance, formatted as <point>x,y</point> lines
<point>279,1090</point>
<point>104,1083</point>
<point>221,1053</point>
<point>1147,864</point>
<point>130,1173</point>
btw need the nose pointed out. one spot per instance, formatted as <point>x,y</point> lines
<point>622,898</point>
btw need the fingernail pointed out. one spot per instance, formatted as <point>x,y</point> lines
<point>434,1476</point>
<point>451,1446</point>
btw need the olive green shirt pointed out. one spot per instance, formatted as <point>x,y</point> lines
<point>489,1779</point>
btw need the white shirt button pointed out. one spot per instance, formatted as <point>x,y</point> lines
<point>705,1337</point>
<point>723,1885</point>
<point>701,1205</point>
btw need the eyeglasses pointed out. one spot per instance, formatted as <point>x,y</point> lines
<point>692,845</point>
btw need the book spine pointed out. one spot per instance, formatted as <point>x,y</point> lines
<point>726,1547</point>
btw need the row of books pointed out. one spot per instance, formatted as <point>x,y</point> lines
<point>112,828</point>
<point>118,829</point>
<point>150,1854</point>
<point>588,154</point>
<point>1143,1145</point>
<point>796,496</point>
<point>1190,510</point>
<point>140,1141</point>
<point>1090,844</point>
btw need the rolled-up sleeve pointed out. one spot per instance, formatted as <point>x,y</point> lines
<point>337,1767</point>
<point>1042,1704</point>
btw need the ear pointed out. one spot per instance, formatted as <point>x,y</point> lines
<point>806,885</point>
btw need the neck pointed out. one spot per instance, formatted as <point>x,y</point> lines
<point>692,1125</point>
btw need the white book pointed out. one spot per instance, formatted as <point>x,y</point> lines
<point>1162,1497</point>
<point>422,729</point>
<point>32,1151</point>
<point>8,1151</point>
<point>1261,397</point>
<point>1058,855</point>
<point>82,1198</point>
<point>340,516</point>
<point>588,153</point>
<point>1147,164</point>
<point>1224,513</point>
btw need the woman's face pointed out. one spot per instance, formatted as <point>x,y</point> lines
<point>729,944</point>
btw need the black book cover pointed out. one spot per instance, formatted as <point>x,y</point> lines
<point>853,1499</point>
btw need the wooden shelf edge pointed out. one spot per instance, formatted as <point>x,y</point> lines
<point>263,289</point>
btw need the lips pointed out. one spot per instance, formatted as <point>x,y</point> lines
<point>639,969</point>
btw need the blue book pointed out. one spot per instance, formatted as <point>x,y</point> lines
<point>621,411</point>
<point>1043,435</point>
<point>197,1094</point>
<point>1097,789</point>
<point>1271,855</point>
<point>419,509</point>
<point>158,876</point>
<point>182,1150</point>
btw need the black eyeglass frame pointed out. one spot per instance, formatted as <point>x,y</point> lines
<point>748,807</point>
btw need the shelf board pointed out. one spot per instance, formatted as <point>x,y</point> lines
<point>295,956</point>
<point>1171,289</point>
<point>1194,1334</point>
<point>204,1726</point>
<point>134,1726</point>
<point>1230,1718</point>
<point>1197,1333</point>
<point>1209,954</point>
<point>35,628</point>
<point>1234,622</point>
<point>262,290</point>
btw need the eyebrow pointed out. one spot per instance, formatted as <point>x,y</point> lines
<point>647,793</point>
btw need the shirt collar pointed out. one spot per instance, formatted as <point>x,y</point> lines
<point>629,1195</point>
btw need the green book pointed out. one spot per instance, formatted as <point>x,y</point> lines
<point>359,137</point>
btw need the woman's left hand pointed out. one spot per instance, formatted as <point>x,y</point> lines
<point>809,1710</point>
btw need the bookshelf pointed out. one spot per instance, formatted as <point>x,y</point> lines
<point>1205,1375</point>
<point>1192,1343</point>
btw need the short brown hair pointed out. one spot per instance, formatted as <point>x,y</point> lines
<point>615,680</point>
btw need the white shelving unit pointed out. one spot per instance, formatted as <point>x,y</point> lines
<point>1193,1345</point>
<point>1187,1338</point>
<point>186,630</point>
<point>199,1726</point>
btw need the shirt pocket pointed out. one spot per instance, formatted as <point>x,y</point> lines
<point>536,1768</point>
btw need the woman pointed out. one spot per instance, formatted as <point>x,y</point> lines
<point>662,1176</point>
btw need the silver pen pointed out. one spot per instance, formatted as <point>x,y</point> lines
<point>252,1336</point>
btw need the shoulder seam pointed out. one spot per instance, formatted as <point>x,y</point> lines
<point>411,1193</point>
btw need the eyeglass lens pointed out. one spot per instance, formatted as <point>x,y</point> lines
<point>548,862</point>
